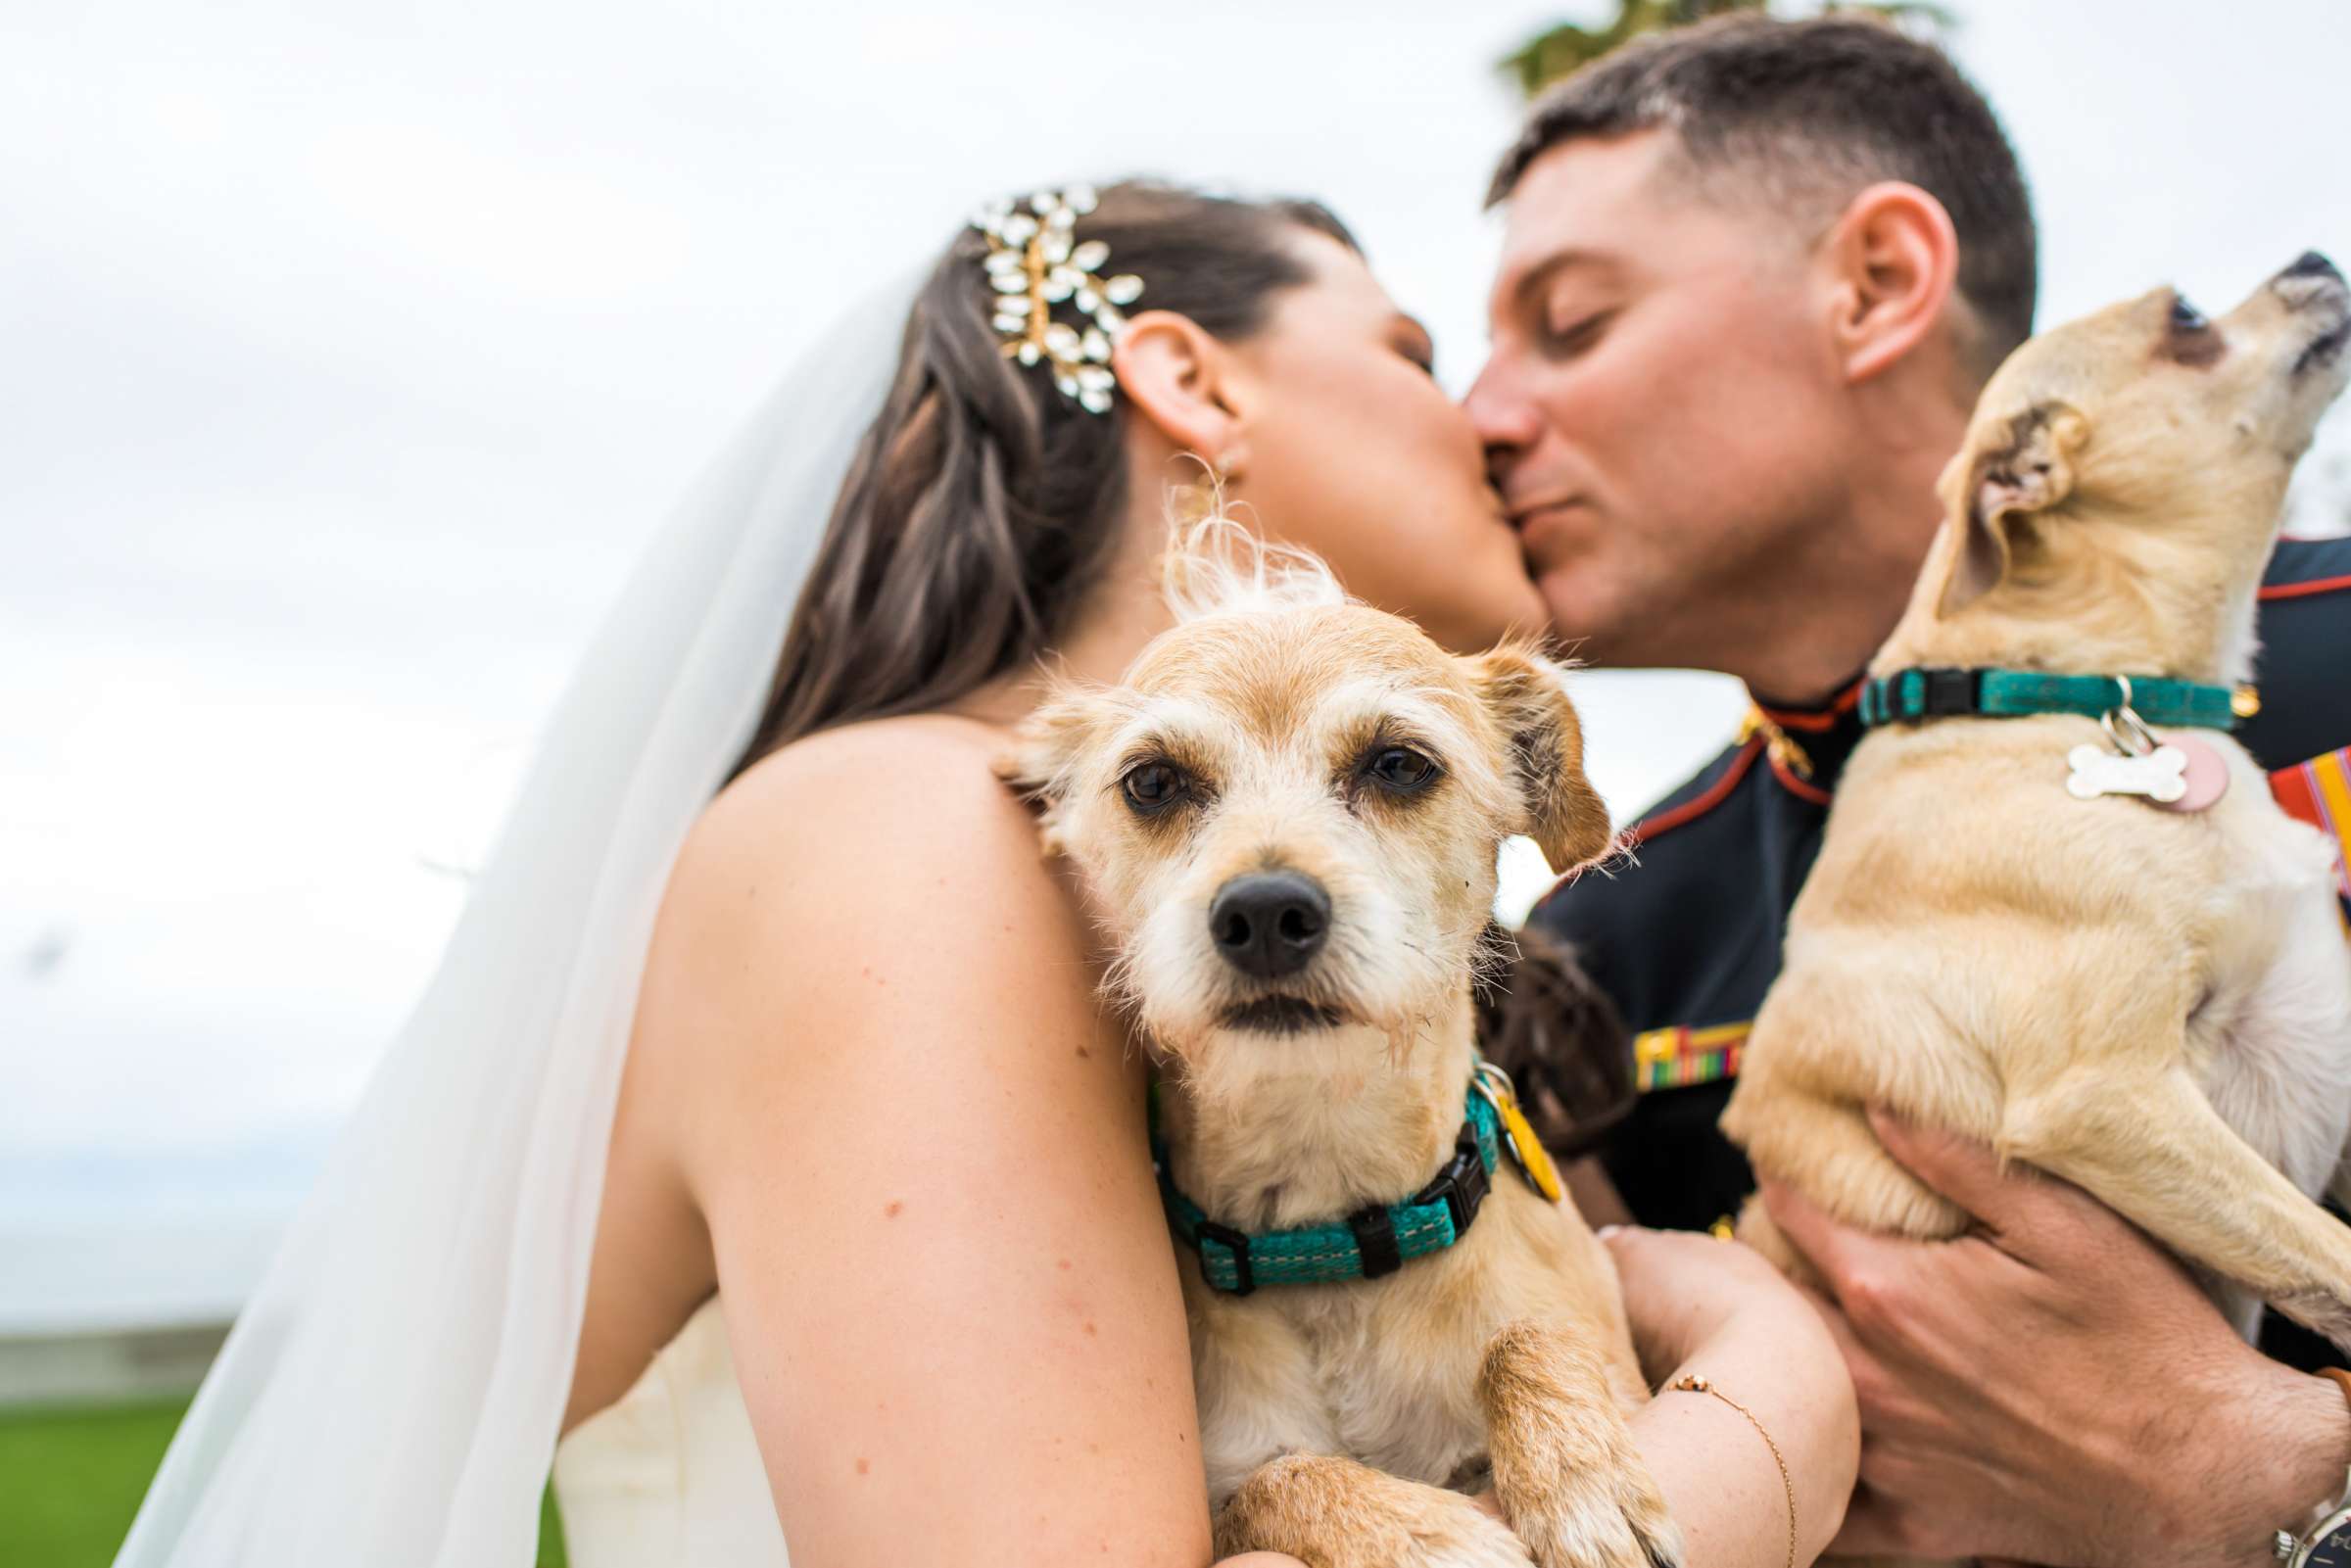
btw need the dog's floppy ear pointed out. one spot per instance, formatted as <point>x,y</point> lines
<point>1992,496</point>
<point>1039,758</point>
<point>1527,695</point>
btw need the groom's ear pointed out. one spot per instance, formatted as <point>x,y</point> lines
<point>1181,379</point>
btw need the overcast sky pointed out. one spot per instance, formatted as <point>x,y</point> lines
<point>347,353</point>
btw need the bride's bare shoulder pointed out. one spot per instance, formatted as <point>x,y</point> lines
<point>841,909</point>
<point>895,820</point>
<point>899,782</point>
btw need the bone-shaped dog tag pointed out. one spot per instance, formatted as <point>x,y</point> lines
<point>2159,775</point>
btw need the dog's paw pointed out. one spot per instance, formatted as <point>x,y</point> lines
<point>1338,1513</point>
<point>1466,1537</point>
<point>1565,1471</point>
<point>1620,1525</point>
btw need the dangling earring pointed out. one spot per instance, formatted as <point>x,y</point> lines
<point>1202,496</point>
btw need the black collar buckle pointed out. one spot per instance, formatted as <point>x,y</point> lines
<point>1949,693</point>
<point>1463,1184</point>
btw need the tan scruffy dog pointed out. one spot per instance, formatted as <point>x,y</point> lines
<point>2152,1003</point>
<point>1289,817</point>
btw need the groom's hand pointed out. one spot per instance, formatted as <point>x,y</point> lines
<point>2054,1387</point>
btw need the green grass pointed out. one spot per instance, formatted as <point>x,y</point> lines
<point>70,1482</point>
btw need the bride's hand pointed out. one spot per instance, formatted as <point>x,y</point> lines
<point>1716,1309</point>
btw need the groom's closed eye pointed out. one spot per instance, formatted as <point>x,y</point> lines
<point>1568,333</point>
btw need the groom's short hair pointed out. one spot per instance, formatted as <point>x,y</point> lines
<point>1806,113</point>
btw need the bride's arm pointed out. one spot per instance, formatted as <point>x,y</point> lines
<point>918,1143</point>
<point>1717,1311</point>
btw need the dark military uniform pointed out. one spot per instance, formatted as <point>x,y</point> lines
<point>1687,941</point>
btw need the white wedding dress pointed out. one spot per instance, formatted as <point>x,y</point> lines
<point>669,1473</point>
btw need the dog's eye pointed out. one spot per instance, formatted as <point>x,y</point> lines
<point>1153,786</point>
<point>1402,769</point>
<point>2185,317</point>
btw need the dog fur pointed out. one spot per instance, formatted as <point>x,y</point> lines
<point>2154,1005</point>
<point>1345,1422</point>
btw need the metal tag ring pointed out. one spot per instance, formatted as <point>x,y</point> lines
<point>2122,720</point>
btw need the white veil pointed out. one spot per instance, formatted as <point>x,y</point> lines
<point>391,1393</point>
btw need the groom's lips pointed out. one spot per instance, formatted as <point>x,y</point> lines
<point>1529,521</point>
<point>1522,510</point>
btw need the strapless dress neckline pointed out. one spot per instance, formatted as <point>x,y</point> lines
<point>669,1473</point>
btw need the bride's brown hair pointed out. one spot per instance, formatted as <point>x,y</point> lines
<point>983,505</point>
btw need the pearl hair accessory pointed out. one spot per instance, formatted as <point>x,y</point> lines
<point>1034,264</point>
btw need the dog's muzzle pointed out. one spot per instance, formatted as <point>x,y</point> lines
<point>2313,263</point>
<point>1270,924</point>
<point>2314,285</point>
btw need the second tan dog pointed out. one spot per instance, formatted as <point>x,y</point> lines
<point>1288,818</point>
<point>2152,1003</point>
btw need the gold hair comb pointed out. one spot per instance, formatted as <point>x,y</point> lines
<point>1034,261</point>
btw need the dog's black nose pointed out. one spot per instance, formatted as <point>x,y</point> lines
<point>1270,922</point>
<point>2310,263</point>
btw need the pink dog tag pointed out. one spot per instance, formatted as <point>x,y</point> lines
<point>2206,775</point>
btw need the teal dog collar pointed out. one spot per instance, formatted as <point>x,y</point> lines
<point>1908,696</point>
<point>1367,1244</point>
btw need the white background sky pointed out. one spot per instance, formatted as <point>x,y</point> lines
<point>347,353</point>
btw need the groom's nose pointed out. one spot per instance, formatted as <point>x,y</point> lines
<point>1507,421</point>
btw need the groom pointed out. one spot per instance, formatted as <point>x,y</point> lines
<point>1755,275</point>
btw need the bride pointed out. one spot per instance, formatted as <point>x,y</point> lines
<point>762,1150</point>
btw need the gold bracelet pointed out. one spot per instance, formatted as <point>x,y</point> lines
<point>1692,1382</point>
